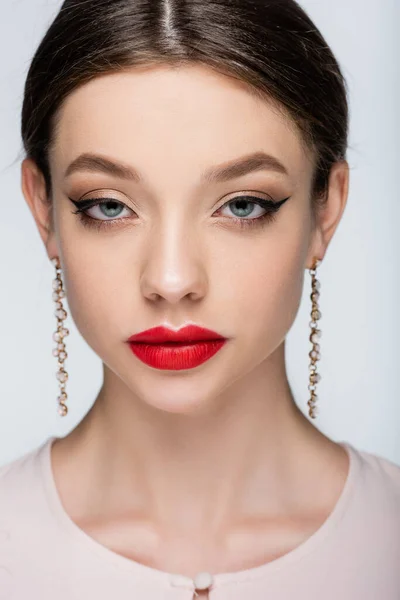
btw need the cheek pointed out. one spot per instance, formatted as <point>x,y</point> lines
<point>97,283</point>
<point>95,298</point>
<point>278,294</point>
<point>268,293</point>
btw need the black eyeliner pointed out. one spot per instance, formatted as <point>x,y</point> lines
<point>276,205</point>
<point>84,204</point>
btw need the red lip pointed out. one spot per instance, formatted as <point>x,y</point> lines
<point>190,333</point>
<point>164,348</point>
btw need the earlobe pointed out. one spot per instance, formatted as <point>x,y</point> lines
<point>34,191</point>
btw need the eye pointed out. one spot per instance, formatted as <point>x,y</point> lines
<point>105,212</point>
<point>259,210</point>
<point>244,206</point>
<point>102,209</point>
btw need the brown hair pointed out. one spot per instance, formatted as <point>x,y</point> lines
<point>271,45</point>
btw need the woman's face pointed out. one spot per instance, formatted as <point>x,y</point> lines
<point>171,246</point>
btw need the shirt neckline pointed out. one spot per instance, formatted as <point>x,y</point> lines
<point>143,571</point>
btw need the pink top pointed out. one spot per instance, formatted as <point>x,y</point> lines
<point>354,555</point>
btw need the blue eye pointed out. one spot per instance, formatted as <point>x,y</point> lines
<point>108,207</point>
<point>245,206</point>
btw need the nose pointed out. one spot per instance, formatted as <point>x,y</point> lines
<point>174,268</point>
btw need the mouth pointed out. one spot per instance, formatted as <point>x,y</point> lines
<point>168,349</point>
<point>185,335</point>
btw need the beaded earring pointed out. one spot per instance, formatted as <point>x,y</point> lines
<point>314,337</point>
<point>59,335</point>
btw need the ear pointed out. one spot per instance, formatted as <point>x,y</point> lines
<point>329,215</point>
<point>34,190</point>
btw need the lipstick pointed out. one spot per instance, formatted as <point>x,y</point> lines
<point>186,348</point>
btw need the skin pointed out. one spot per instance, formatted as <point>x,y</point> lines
<point>219,454</point>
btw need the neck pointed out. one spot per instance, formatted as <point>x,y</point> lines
<point>199,469</point>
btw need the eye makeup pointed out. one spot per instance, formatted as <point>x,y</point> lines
<point>270,207</point>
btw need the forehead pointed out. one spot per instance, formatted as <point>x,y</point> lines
<point>182,118</point>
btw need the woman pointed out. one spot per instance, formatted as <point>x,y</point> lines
<point>185,164</point>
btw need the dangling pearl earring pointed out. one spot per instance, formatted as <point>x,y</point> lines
<point>314,337</point>
<point>58,336</point>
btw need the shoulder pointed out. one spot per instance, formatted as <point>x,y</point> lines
<point>28,531</point>
<point>19,465</point>
<point>25,514</point>
<point>21,483</point>
<point>381,471</point>
<point>377,487</point>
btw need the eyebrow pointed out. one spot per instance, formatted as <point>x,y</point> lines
<point>237,167</point>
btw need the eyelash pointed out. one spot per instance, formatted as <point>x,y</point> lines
<point>269,216</point>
